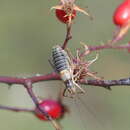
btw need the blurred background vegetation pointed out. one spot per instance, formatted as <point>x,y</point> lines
<point>28,30</point>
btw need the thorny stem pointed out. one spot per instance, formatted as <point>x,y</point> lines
<point>54,76</point>
<point>34,79</point>
<point>68,36</point>
<point>107,83</point>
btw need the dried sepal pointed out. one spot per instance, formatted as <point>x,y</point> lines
<point>56,7</point>
<point>77,8</point>
<point>81,65</point>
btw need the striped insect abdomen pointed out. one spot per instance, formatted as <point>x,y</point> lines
<point>60,59</point>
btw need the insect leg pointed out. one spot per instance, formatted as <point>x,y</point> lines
<point>65,93</point>
<point>82,90</point>
<point>75,84</point>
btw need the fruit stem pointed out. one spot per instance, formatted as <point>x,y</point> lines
<point>68,35</point>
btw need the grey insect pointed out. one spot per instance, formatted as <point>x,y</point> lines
<point>63,65</point>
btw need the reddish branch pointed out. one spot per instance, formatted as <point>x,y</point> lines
<point>27,82</point>
<point>107,83</point>
<point>68,36</point>
<point>16,109</point>
<point>55,76</point>
<point>34,79</point>
<point>109,46</point>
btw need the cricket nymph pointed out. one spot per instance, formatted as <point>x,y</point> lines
<point>62,65</point>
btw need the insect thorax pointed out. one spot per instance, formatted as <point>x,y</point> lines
<point>65,75</point>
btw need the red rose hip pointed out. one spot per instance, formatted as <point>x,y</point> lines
<point>122,13</point>
<point>121,18</point>
<point>54,109</point>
